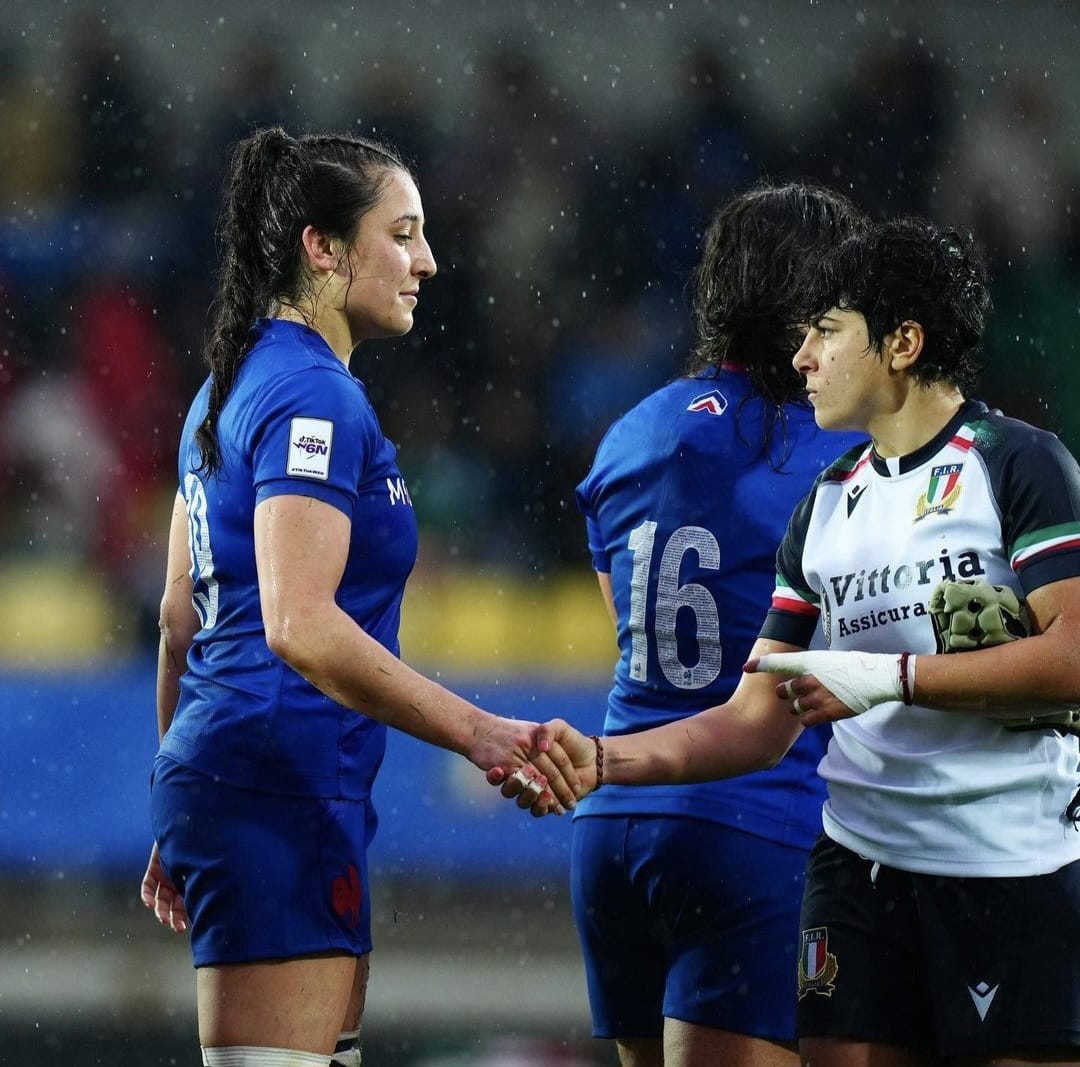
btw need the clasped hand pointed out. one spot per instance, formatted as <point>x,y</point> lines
<point>560,755</point>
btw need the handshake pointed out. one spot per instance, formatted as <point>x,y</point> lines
<point>563,766</point>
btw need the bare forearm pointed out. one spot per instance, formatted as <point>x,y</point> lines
<point>721,742</point>
<point>1037,672</point>
<point>342,661</point>
<point>172,662</point>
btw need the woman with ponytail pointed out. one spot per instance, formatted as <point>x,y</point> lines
<point>292,538</point>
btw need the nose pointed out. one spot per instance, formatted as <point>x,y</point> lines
<point>804,357</point>
<point>424,265</point>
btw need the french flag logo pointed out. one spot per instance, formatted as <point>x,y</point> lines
<point>712,403</point>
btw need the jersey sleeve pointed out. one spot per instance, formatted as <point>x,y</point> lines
<point>601,561</point>
<point>313,438</point>
<point>1040,504</point>
<point>793,615</point>
<point>587,497</point>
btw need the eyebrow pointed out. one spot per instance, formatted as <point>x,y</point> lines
<point>406,218</point>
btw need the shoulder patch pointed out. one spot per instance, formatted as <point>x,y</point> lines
<point>310,441</point>
<point>712,403</point>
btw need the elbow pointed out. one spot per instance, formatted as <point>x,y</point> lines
<point>291,640</point>
<point>768,760</point>
<point>177,623</point>
<point>771,752</point>
<point>281,639</point>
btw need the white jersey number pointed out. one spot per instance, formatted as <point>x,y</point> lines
<point>670,599</point>
<point>205,592</point>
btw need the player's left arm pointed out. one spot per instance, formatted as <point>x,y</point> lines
<point>1041,671</point>
<point>178,620</point>
<point>301,545</point>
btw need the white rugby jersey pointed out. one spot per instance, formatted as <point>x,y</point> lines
<point>918,789</point>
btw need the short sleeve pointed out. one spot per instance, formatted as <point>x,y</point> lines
<point>1040,504</point>
<point>313,437</point>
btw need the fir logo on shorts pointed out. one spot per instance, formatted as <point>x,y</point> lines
<point>942,492</point>
<point>817,965</point>
<point>712,403</point>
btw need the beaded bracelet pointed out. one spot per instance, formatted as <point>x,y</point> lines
<point>907,677</point>
<point>599,762</point>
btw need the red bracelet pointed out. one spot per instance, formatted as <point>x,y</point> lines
<point>599,762</point>
<point>906,679</point>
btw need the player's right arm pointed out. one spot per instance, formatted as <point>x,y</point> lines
<point>179,623</point>
<point>750,732</point>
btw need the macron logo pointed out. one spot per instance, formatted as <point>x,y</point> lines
<point>983,996</point>
<point>310,441</point>
<point>854,496</point>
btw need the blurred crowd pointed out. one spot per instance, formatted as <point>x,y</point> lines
<point>565,239</point>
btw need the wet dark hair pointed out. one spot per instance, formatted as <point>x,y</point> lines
<point>910,270</point>
<point>749,288</point>
<point>276,186</point>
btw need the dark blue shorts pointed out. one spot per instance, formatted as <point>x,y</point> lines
<point>686,919</point>
<point>948,966</point>
<point>263,876</point>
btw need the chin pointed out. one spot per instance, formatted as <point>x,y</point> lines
<point>384,331</point>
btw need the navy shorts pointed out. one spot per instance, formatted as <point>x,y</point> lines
<point>263,876</point>
<point>686,919</point>
<point>948,966</point>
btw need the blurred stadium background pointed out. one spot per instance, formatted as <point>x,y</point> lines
<point>569,152</point>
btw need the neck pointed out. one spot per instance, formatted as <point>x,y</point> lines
<point>328,323</point>
<point>922,415</point>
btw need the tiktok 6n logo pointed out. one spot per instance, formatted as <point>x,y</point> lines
<point>310,442</point>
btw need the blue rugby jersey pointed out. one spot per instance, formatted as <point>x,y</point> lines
<point>684,511</point>
<point>295,422</point>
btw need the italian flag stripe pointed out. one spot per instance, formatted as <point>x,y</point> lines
<point>1061,538</point>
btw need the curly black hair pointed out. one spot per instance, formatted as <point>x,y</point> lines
<point>910,270</point>
<point>748,300</point>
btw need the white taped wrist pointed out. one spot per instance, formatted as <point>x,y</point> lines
<point>861,680</point>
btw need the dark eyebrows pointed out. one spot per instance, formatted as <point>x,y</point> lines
<point>406,218</point>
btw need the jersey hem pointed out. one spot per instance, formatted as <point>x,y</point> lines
<point>951,866</point>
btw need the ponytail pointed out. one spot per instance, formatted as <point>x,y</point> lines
<point>276,186</point>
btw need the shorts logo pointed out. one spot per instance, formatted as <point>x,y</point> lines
<point>346,895</point>
<point>310,441</point>
<point>817,965</point>
<point>982,996</point>
<point>942,492</point>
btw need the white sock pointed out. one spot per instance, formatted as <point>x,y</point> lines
<point>347,1052</point>
<point>256,1056</point>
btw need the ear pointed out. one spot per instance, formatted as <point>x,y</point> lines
<point>319,249</point>
<point>904,345</point>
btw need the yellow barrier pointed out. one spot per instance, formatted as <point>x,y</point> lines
<point>57,613</point>
<point>465,622</point>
